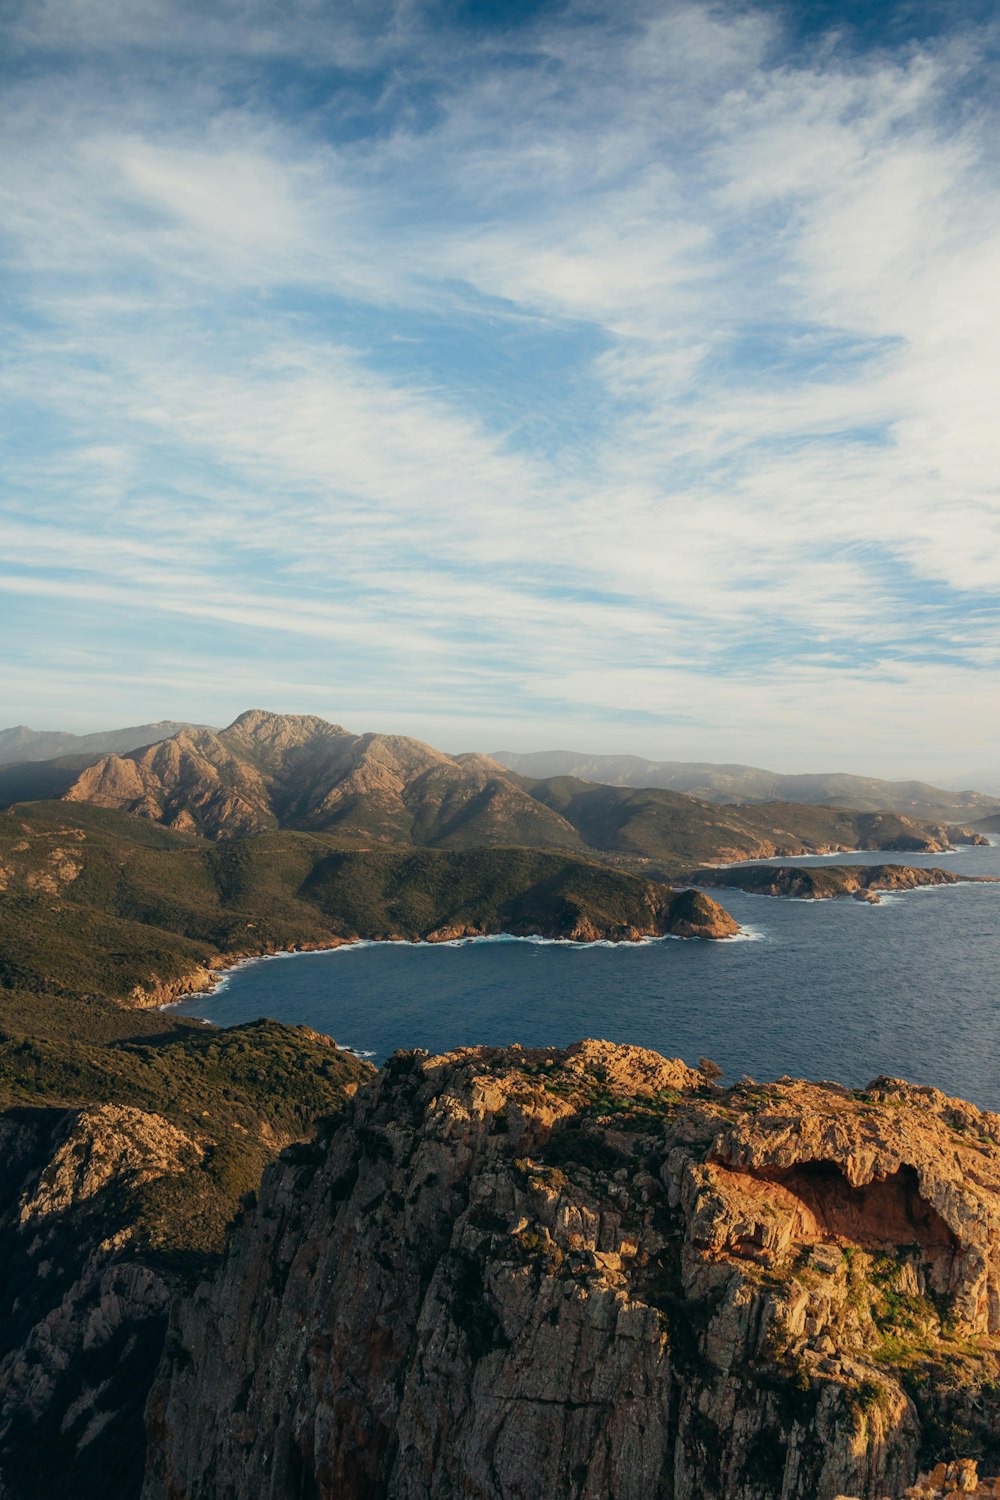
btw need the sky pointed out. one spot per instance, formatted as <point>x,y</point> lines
<point>612,375</point>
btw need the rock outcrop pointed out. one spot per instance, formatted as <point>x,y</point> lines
<point>592,1273</point>
<point>824,882</point>
<point>960,1479</point>
<point>109,1211</point>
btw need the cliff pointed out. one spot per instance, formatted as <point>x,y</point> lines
<point>591,1273</point>
<point>84,1310</point>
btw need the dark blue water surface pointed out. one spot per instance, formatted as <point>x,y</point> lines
<point>817,989</point>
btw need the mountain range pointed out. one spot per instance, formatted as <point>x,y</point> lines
<point>267,771</point>
<point>43,763</point>
<point>737,783</point>
<point>20,743</point>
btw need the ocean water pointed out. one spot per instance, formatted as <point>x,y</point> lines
<point>818,989</point>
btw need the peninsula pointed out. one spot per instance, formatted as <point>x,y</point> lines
<point>825,882</point>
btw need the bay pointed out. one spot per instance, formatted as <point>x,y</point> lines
<point>817,989</point>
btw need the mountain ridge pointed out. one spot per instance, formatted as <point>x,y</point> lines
<point>733,782</point>
<point>955,800</point>
<point>268,771</point>
<point>19,743</point>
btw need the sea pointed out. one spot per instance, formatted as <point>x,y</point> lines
<point>837,990</point>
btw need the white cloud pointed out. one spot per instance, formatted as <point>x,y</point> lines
<point>776,443</point>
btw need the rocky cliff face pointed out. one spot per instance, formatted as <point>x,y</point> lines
<point>108,1211</point>
<point>84,1310</point>
<point>191,782</point>
<point>591,1273</point>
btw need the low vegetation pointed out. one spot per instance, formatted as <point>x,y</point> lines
<point>97,902</point>
<point>673,831</point>
<point>240,1094</point>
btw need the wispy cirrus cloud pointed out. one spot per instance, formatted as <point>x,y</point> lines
<point>619,373</point>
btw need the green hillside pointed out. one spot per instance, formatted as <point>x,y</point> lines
<point>100,902</point>
<point>673,831</point>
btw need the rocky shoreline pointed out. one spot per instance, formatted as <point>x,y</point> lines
<point>828,882</point>
<point>689,915</point>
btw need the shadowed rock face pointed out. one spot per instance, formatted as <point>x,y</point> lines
<point>589,1273</point>
<point>108,1211</point>
<point>83,1314</point>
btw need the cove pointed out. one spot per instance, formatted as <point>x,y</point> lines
<point>835,989</point>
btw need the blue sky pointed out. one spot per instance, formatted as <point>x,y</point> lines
<point>616,376</point>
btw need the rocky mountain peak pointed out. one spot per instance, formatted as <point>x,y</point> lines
<point>261,722</point>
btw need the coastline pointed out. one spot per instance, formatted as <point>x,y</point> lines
<point>219,974</point>
<point>765,859</point>
<point>212,977</point>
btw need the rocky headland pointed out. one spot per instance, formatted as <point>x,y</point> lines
<point>664,913</point>
<point>594,1273</point>
<point>826,882</point>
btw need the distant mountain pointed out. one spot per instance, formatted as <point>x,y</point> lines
<point>738,783</point>
<point>268,771</point>
<point>651,827</point>
<point>987,778</point>
<point>31,780</point>
<point>23,744</point>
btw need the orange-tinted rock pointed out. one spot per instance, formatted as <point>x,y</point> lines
<point>589,1273</point>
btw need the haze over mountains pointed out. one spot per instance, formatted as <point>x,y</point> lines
<point>20,743</point>
<point>739,783</point>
